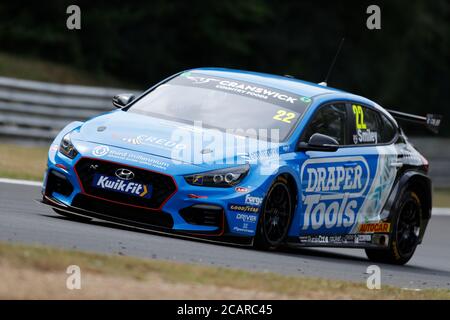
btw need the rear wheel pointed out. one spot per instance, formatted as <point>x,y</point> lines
<point>72,216</point>
<point>275,217</point>
<point>405,233</point>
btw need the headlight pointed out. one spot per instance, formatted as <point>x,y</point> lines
<point>66,147</point>
<point>222,178</point>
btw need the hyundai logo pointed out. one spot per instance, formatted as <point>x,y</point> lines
<point>124,174</point>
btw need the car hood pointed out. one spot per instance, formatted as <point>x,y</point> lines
<point>174,140</point>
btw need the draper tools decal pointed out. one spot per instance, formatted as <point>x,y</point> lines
<point>333,191</point>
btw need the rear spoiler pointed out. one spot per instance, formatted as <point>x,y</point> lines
<point>431,121</point>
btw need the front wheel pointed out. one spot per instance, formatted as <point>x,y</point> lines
<point>275,217</point>
<point>405,233</point>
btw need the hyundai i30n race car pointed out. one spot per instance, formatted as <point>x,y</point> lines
<point>251,158</point>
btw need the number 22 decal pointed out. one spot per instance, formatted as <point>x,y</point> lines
<point>284,116</point>
<point>359,116</point>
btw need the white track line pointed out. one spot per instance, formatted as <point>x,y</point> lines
<point>22,182</point>
<point>435,212</point>
<point>441,212</point>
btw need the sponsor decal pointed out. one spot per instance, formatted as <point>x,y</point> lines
<point>260,155</point>
<point>364,238</point>
<point>275,96</point>
<point>242,88</point>
<point>243,230</point>
<point>363,134</point>
<point>122,186</point>
<point>306,99</point>
<point>336,239</point>
<point>247,217</point>
<point>243,208</point>
<point>241,189</point>
<point>381,186</point>
<point>333,192</point>
<point>382,227</point>
<point>314,239</point>
<point>54,147</point>
<point>154,141</point>
<point>366,136</point>
<point>100,151</point>
<point>284,116</point>
<point>245,222</point>
<point>251,200</point>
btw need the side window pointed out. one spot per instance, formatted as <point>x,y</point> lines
<point>372,127</point>
<point>330,120</point>
<point>388,130</point>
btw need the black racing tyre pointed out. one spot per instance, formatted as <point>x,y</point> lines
<point>72,216</point>
<point>275,217</point>
<point>405,235</point>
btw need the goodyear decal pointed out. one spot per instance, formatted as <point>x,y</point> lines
<point>243,208</point>
<point>333,192</point>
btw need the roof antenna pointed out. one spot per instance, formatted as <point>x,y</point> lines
<point>325,83</point>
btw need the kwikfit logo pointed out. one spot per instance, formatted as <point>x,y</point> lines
<point>122,186</point>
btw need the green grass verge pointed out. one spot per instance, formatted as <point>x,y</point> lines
<point>441,198</point>
<point>44,259</point>
<point>22,162</point>
<point>23,67</point>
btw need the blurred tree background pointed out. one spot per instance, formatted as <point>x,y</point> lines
<point>405,65</point>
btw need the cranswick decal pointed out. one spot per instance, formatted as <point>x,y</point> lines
<point>252,90</point>
<point>333,192</point>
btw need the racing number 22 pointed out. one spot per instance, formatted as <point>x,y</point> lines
<point>284,116</point>
<point>359,116</point>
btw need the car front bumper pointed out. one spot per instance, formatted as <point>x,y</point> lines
<point>183,208</point>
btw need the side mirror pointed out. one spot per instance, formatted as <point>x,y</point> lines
<point>319,142</point>
<point>121,100</point>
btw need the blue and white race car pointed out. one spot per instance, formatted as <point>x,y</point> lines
<point>250,158</point>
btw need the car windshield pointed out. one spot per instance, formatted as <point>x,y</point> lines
<point>239,107</point>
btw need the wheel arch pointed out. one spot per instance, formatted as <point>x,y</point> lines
<point>421,185</point>
<point>415,181</point>
<point>418,182</point>
<point>293,187</point>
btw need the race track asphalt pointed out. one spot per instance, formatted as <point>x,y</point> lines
<point>22,220</point>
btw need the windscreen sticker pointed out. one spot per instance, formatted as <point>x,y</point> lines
<point>363,134</point>
<point>285,116</point>
<point>359,117</point>
<point>274,96</point>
